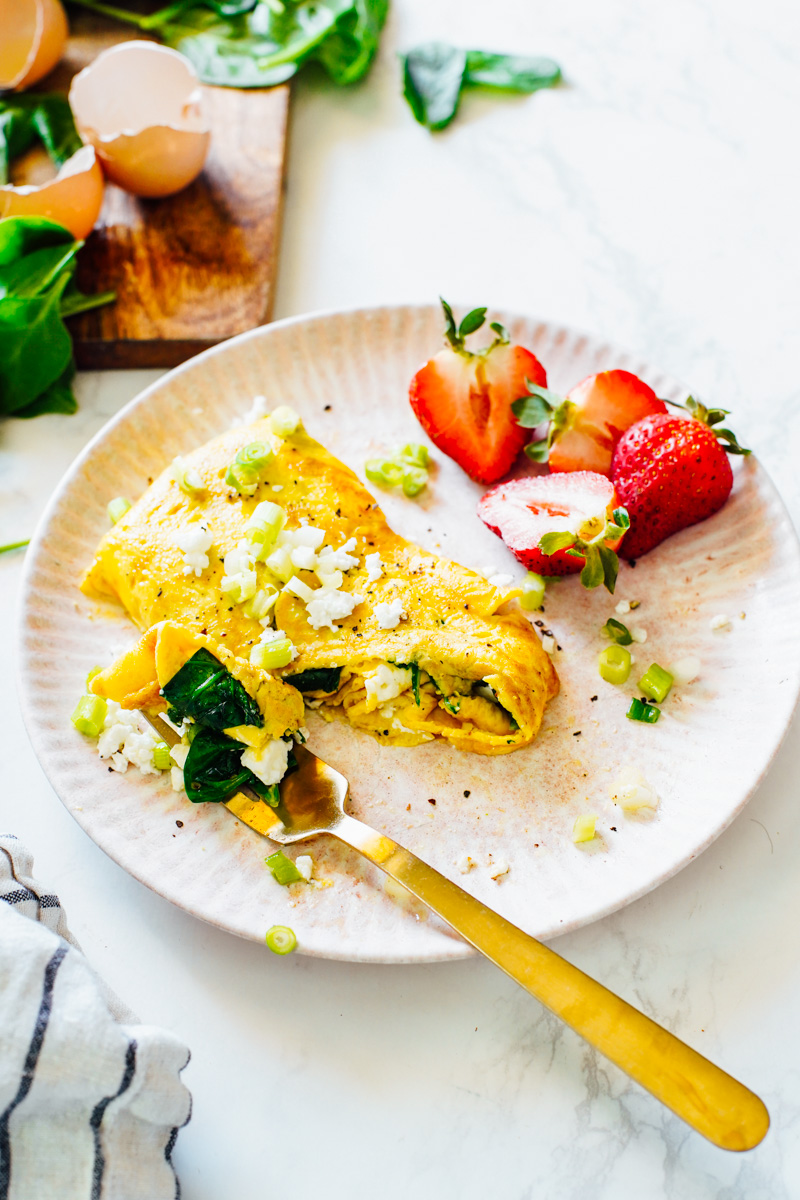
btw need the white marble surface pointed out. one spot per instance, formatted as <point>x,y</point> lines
<point>651,200</point>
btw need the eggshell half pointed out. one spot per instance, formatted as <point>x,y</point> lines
<point>140,105</point>
<point>73,199</point>
<point>33,34</point>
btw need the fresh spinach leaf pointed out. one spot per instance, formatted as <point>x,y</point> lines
<point>317,679</point>
<point>433,75</point>
<point>213,770</point>
<point>205,690</point>
<point>46,116</point>
<point>510,72</point>
<point>264,42</point>
<point>414,669</point>
<point>57,398</point>
<point>35,348</point>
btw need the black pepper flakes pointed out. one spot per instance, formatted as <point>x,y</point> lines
<point>577,733</point>
<point>328,408</point>
<point>466,793</point>
<point>179,824</point>
<point>593,698</point>
<point>431,801</point>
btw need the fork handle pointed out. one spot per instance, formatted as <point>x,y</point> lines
<point>707,1098</point>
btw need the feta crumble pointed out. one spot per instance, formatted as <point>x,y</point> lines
<point>548,644</point>
<point>374,566</point>
<point>721,621</point>
<point>305,865</point>
<point>127,738</point>
<point>465,864</point>
<point>623,607</point>
<point>269,763</point>
<point>390,613</point>
<point>633,793</point>
<point>498,869</point>
<point>638,634</point>
<point>685,670</point>
<point>501,580</point>
<point>341,559</point>
<point>195,542</point>
<point>384,683</point>
<point>328,606</point>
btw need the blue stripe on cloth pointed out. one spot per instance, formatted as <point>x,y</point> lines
<point>49,902</point>
<point>173,1137</point>
<point>31,1059</point>
<point>18,895</point>
<point>96,1119</point>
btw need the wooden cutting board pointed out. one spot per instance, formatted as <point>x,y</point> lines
<point>194,268</point>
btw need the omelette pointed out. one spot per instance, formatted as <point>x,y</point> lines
<point>269,554</point>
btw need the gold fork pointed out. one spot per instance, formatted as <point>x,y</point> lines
<point>312,801</point>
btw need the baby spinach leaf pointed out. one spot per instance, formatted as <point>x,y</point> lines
<point>511,72</point>
<point>46,116</point>
<point>347,53</point>
<point>317,679</point>
<point>205,690</point>
<point>433,75</point>
<point>35,348</point>
<point>213,770</point>
<point>414,669</point>
<point>57,398</point>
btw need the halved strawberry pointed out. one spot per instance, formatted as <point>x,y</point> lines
<point>463,398</point>
<point>559,524</point>
<point>586,425</point>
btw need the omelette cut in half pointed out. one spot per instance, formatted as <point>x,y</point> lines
<point>267,545</point>
<point>237,721</point>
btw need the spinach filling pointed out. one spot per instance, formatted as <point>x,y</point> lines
<point>204,690</point>
<point>317,679</point>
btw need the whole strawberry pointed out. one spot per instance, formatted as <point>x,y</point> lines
<point>671,472</point>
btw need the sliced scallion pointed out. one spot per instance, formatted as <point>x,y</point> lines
<point>161,758</point>
<point>532,591</point>
<point>241,479</point>
<point>255,456</point>
<point>640,710</point>
<point>269,655</point>
<point>188,479</point>
<point>416,455</point>
<point>94,671</point>
<point>117,509</point>
<point>656,683</point>
<point>89,715</point>
<point>614,664</point>
<point>415,480</point>
<point>617,632</point>
<point>283,869</point>
<point>281,939</point>
<point>283,421</point>
<point>584,828</point>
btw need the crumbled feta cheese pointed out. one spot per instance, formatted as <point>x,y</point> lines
<point>307,535</point>
<point>638,634</point>
<point>179,753</point>
<point>258,409</point>
<point>685,670</point>
<point>623,607</point>
<point>305,865</point>
<point>501,581</point>
<point>498,869</point>
<point>721,621</point>
<point>548,644</point>
<point>390,613</point>
<point>374,566</point>
<point>297,588</point>
<point>304,558</point>
<point>341,559</point>
<point>465,864</point>
<point>240,581</point>
<point>127,738</point>
<point>633,793</point>
<point>277,487</point>
<point>385,683</point>
<point>326,607</point>
<point>269,763</point>
<point>332,580</point>
<point>194,540</point>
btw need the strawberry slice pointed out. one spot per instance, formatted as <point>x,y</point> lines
<point>559,524</point>
<point>586,425</point>
<point>462,398</point>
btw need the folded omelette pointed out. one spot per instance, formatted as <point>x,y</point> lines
<point>263,548</point>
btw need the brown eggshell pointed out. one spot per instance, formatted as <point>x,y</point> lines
<point>139,105</point>
<point>73,199</point>
<point>33,34</point>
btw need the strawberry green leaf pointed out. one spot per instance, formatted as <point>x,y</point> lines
<point>450,328</point>
<point>728,439</point>
<point>593,572</point>
<point>621,518</point>
<point>503,336</point>
<point>472,322</point>
<point>538,452</point>
<point>551,542</point>
<point>610,566</point>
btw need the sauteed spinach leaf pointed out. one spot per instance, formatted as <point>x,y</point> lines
<point>205,690</point>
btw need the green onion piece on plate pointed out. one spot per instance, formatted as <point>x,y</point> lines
<point>617,632</point>
<point>283,869</point>
<point>614,664</point>
<point>283,421</point>
<point>532,591</point>
<point>584,828</point>
<point>161,758</point>
<point>656,683</point>
<point>415,480</point>
<point>640,710</point>
<point>416,455</point>
<point>89,715</point>
<point>281,939</point>
<point>94,671</point>
<point>267,655</point>
<point>242,479</point>
<point>255,456</point>
<point>117,508</point>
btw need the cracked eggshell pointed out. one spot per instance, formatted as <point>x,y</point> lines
<point>73,199</point>
<point>33,34</point>
<point>139,105</point>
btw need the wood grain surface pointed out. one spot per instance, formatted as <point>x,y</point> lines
<point>194,268</point>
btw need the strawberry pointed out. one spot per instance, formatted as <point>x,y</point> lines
<point>671,472</point>
<point>559,524</point>
<point>587,424</point>
<point>462,399</point>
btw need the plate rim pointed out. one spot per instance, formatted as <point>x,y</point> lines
<point>458,949</point>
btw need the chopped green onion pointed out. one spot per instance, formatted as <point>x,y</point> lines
<point>242,479</point>
<point>656,683</point>
<point>280,563</point>
<point>89,715</point>
<point>259,605</point>
<point>161,758</point>
<point>584,828</point>
<point>267,655</point>
<point>384,472</point>
<point>640,710</point>
<point>283,420</point>
<point>117,508</point>
<point>416,455</point>
<point>618,632</point>
<point>415,480</point>
<point>14,546</point>
<point>239,588</point>
<point>614,664</point>
<point>532,591</point>
<point>272,796</point>
<point>281,939</point>
<point>255,456</point>
<point>94,671</point>
<point>283,869</point>
<point>187,478</point>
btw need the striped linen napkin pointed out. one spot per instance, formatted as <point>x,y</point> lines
<point>90,1101</point>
